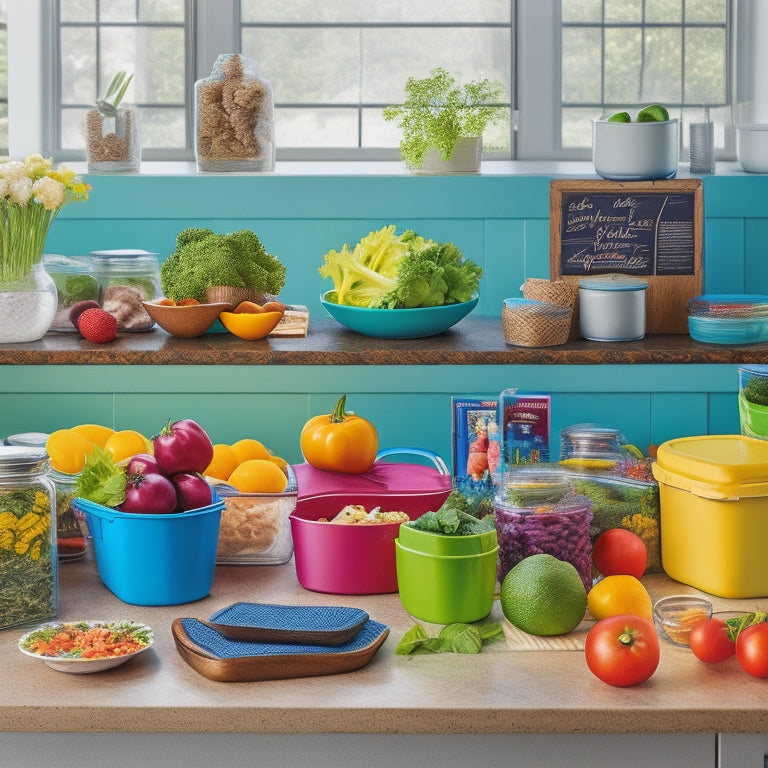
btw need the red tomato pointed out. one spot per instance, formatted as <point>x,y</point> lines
<point>622,650</point>
<point>618,551</point>
<point>752,649</point>
<point>709,641</point>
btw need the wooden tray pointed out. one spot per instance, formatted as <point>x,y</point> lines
<point>222,659</point>
<point>292,624</point>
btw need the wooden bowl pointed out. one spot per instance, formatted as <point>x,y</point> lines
<point>186,321</point>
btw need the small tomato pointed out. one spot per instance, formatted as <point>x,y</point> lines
<point>622,650</point>
<point>340,441</point>
<point>710,642</point>
<point>620,551</point>
<point>752,649</point>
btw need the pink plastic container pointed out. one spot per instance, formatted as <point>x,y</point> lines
<point>360,559</point>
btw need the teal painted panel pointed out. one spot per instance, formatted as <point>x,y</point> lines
<point>321,197</point>
<point>724,414</point>
<point>678,415</point>
<point>723,246</point>
<point>33,412</point>
<point>738,196</point>
<point>537,248</point>
<point>755,271</point>
<point>504,264</point>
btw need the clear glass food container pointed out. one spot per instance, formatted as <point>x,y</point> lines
<point>537,512</point>
<point>592,448</point>
<point>127,278</point>
<point>28,557</point>
<point>75,282</point>
<point>70,541</point>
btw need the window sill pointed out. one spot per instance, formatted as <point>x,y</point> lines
<point>552,169</point>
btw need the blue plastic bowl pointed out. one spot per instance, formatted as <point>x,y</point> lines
<point>398,323</point>
<point>155,559</point>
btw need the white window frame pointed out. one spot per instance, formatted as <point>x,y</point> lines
<point>536,88</point>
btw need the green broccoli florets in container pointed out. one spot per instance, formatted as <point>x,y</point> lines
<point>756,390</point>
<point>204,259</point>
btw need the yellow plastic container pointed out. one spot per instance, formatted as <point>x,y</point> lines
<point>714,513</point>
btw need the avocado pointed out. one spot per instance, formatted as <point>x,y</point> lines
<point>654,113</point>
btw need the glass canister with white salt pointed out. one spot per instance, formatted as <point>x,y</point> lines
<point>126,278</point>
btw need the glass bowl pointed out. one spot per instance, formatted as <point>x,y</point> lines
<point>676,614</point>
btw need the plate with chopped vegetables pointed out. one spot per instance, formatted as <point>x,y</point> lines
<point>83,647</point>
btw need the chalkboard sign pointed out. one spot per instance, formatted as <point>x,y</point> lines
<point>649,229</point>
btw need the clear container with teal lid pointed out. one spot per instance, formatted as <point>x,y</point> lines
<point>28,555</point>
<point>75,282</point>
<point>126,278</point>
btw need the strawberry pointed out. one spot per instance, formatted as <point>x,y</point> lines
<point>97,326</point>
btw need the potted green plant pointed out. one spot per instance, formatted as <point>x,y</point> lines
<point>443,121</point>
<point>112,131</point>
<point>753,402</point>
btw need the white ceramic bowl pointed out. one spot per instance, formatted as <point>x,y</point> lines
<point>635,151</point>
<point>752,147</point>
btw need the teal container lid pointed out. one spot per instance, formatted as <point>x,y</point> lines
<point>613,282</point>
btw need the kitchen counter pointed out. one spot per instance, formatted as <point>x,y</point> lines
<point>476,340</point>
<point>501,690</point>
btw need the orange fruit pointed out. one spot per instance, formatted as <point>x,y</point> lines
<point>258,476</point>
<point>248,448</point>
<point>223,462</point>
<point>282,463</point>
<point>619,594</point>
<point>96,433</point>
<point>126,443</point>
<point>67,451</point>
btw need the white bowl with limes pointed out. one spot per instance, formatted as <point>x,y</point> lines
<point>635,151</point>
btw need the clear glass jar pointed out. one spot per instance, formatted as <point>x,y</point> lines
<point>592,448</point>
<point>112,144</point>
<point>126,278</point>
<point>537,512</point>
<point>27,307</point>
<point>70,541</point>
<point>74,282</point>
<point>28,558</point>
<point>234,122</point>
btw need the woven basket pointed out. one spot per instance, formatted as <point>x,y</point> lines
<point>562,293</point>
<point>530,323</point>
<point>234,296</point>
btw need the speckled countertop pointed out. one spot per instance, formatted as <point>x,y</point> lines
<point>501,690</point>
<point>474,341</point>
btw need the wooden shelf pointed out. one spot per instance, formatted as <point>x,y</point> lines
<point>474,341</point>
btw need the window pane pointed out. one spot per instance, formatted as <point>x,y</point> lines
<point>117,10</point>
<point>617,11</point>
<point>366,12</point>
<point>162,127</point>
<point>706,11</point>
<point>78,65</point>
<point>77,10</point>
<point>582,47</point>
<point>663,11</point>
<point>316,127</point>
<point>72,134</point>
<point>623,66</point>
<point>662,77</point>
<point>705,65</point>
<point>161,10</point>
<point>581,10</point>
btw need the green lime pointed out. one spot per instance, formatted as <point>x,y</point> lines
<point>655,113</point>
<point>620,117</point>
<point>543,596</point>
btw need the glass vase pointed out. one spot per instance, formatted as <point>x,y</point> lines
<point>27,306</point>
<point>112,144</point>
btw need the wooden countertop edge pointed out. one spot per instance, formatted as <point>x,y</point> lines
<point>474,341</point>
<point>122,719</point>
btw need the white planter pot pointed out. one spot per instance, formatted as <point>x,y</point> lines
<point>465,159</point>
<point>635,151</point>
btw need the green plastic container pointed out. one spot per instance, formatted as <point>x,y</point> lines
<point>444,590</point>
<point>447,545</point>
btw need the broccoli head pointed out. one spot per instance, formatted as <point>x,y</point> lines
<point>204,259</point>
<point>756,390</point>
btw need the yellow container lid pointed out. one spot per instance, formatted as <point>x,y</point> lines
<point>714,466</point>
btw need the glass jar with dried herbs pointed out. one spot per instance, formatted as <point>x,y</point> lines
<point>28,555</point>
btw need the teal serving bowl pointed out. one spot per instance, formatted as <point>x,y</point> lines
<point>398,323</point>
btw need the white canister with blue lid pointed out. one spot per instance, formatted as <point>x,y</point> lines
<point>612,307</point>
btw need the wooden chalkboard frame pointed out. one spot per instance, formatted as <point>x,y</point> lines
<point>667,295</point>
